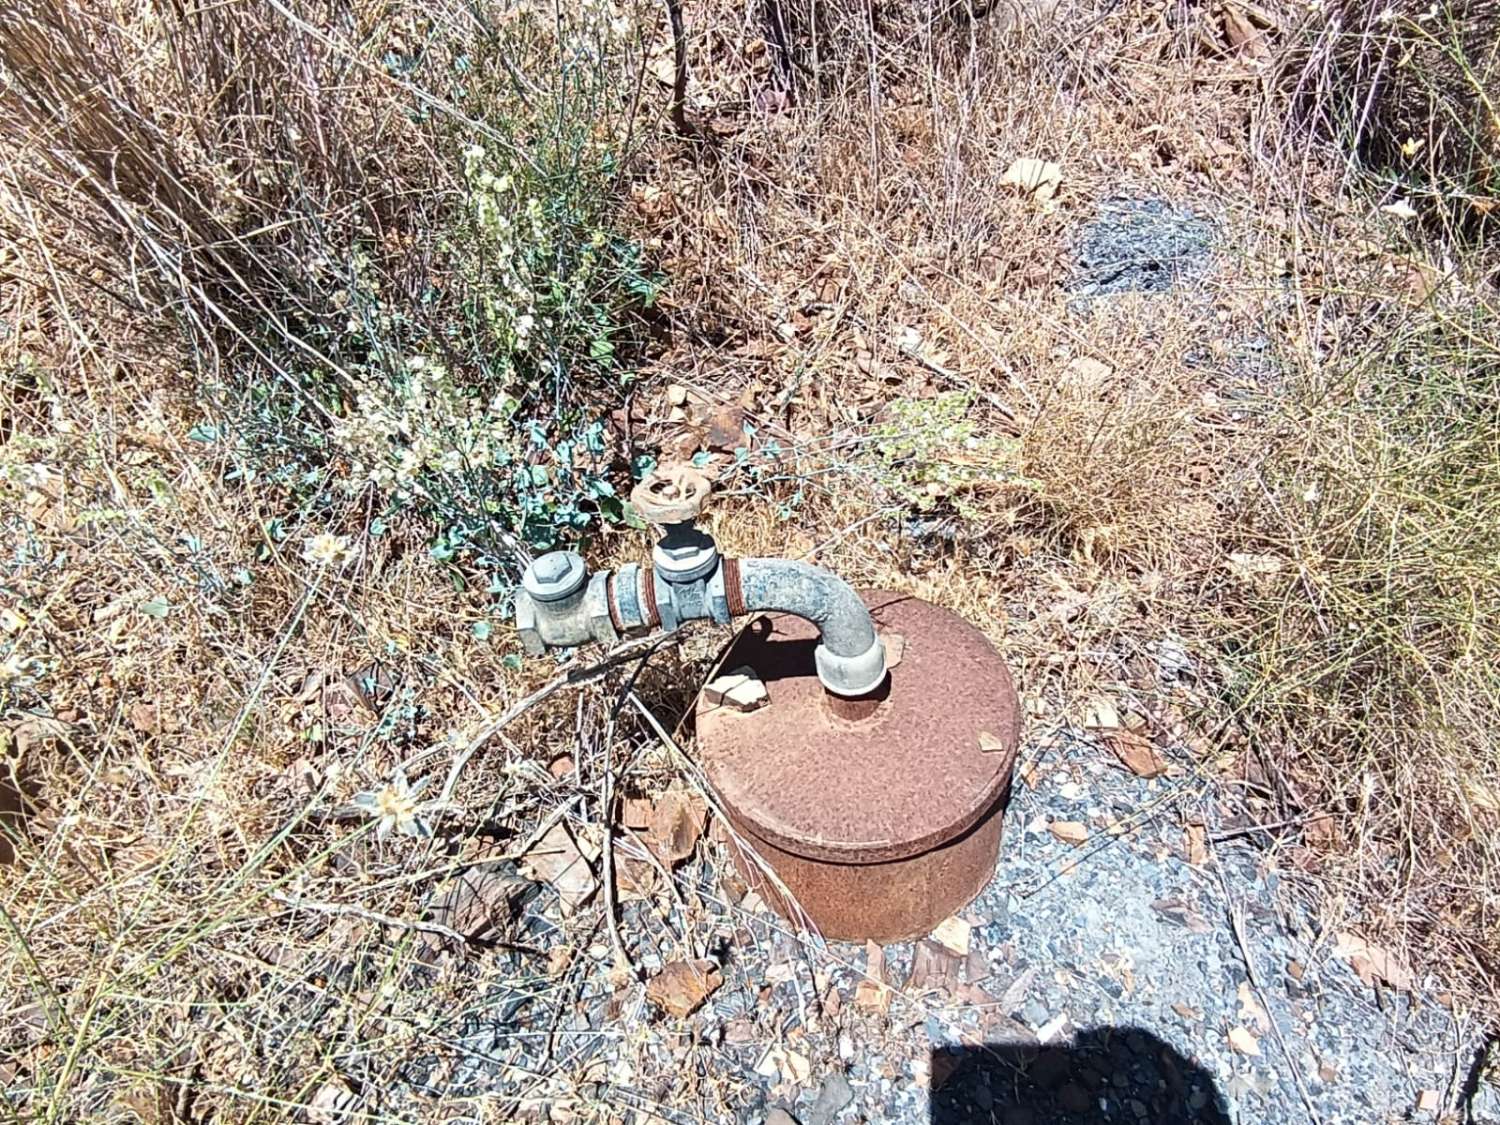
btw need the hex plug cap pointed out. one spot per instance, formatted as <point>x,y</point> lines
<point>554,576</point>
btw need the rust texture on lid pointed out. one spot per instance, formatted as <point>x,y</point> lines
<point>904,780</point>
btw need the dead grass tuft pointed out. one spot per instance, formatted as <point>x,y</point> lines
<point>1411,92</point>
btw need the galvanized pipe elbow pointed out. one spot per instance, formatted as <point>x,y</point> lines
<point>850,656</point>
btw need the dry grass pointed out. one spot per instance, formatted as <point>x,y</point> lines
<point>845,260</point>
<point>1409,92</point>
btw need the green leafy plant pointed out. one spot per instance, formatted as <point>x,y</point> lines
<point>401,280</point>
<point>931,451</point>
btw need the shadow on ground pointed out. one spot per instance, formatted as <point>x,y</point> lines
<point>1106,1076</point>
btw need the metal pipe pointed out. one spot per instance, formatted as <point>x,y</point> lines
<point>560,604</point>
<point>850,656</point>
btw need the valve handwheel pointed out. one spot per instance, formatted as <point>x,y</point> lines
<point>671,494</point>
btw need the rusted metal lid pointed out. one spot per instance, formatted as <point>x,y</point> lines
<point>908,778</point>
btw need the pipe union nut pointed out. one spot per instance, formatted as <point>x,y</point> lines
<point>596,610</point>
<point>687,562</point>
<point>851,676</point>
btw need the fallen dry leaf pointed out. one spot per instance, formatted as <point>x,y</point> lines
<point>1069,831</point>
<point>1038,178</point>
<point>676,821</point>
<point>740,689</point>
<point>1176,910</point>
<point>1187,1011</point>
<point>1136,753</point>
<point>934,967</point>
<point>1014,995</point>
<point>1242,35</point>
<point>334,1102</point>
<point>1243,1042</point>
<point>1101,715</point>
<point>990,744</point>
<point>795,1068</point>
<point>635,812</point>
<point>1482,797</point>
<point>1373,963</point>
<point>558,859</point>
<point>1086,374</point>
<point>1195,844</point>
<point>682,986</point>
<point>636,880</point>
<point>1250,1009</point>
<point>482,901</point>
<point>954,933</point>
<point>1248,567</point>
<point>1321,830</point>
<point>872,993</point>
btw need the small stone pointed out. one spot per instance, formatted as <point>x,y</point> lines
<point>1295,970</point>
<point>1070,832</point>
<point>835,1094</point>
<point>895,648</point>
<point>560,766</point>
<point>778,1116</point>
<point>1073,1098</point>
<point>1428,1101</point>
<point>740,689</point>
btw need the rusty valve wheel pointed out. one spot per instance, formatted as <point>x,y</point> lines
<point>671,494</point>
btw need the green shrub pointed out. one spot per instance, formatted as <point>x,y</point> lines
<point>390,254</point>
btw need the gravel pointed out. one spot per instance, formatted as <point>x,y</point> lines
<point>1134,966</point>
<point>1112,982</point>
<point>1140,246</point>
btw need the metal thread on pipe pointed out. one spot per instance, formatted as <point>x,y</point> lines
<point>648,598</point>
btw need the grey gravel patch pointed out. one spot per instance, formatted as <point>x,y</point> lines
<point>1101,986</point>
<point>1140,246</point>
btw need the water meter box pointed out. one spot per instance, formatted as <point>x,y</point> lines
<point>881,815</point>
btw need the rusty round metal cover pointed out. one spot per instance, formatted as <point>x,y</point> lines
<point>932,760</point>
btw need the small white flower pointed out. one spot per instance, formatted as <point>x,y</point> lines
<point>14,668</point>
<point>524,324</point>
<point>396,806</point>
<point>327,550</point>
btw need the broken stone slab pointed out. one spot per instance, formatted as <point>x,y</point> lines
<point>740,689</point>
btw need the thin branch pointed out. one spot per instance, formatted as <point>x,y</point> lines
<point>343,908</point>
<point>573,676</point>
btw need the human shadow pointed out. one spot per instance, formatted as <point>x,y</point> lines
<point>1106,1076</point>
